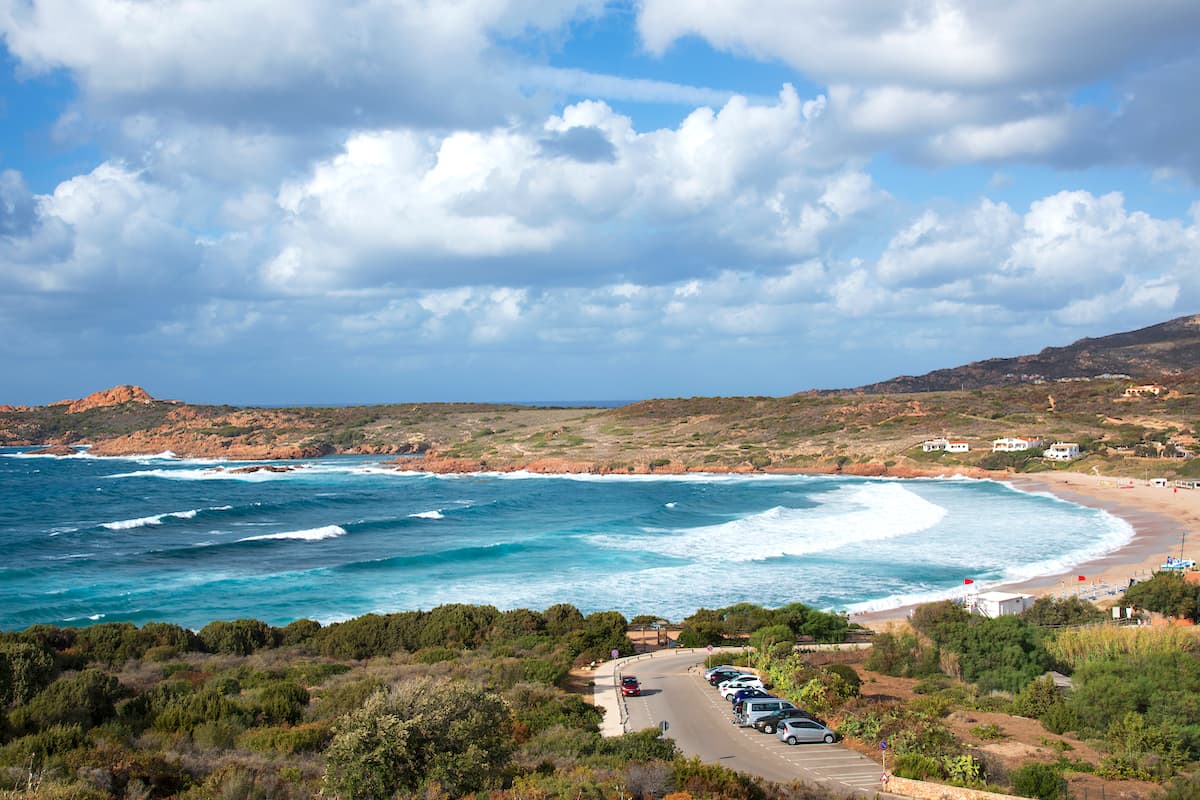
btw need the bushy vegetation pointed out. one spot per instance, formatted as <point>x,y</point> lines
<point>784,625</point>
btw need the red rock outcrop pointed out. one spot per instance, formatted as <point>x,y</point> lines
<point>108,397</point>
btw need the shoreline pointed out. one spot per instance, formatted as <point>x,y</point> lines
<point>1161,518</point>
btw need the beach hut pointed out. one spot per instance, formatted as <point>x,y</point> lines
<point>998,604</point>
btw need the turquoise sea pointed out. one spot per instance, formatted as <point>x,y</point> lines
<point>88,539</point>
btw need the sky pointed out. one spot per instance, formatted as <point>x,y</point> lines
<point>270,202</point>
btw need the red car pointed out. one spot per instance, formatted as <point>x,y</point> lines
<point>630,687</point>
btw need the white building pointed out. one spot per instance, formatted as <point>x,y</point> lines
<point>1014,444</point>
<point>957,446</point>
<point>932,445</point>
<point>1062,451</point>
<point>998,604</point>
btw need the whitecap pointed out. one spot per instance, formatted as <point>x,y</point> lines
<point>429,515</point>
<point>157,519</point>
<point>849,515</point>
<point>311,534</point>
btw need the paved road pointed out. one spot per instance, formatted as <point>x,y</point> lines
<point>674,690</point>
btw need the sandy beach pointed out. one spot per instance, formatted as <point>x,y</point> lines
<point>1165,521</point>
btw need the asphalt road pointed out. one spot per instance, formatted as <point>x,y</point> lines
<point>700,722</point>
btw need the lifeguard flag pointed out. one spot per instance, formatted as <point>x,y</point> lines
<point>1083,577</point>
<point>967,580</point>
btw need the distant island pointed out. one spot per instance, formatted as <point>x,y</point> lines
<point>1128,401</point>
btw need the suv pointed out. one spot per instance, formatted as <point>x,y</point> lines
<point>770,722</point>
<point>630,686</point>
<point>742,695</point>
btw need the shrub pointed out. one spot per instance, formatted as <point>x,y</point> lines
<point>901,655</point>
<point>299,631</point>
<point>25,669</point>
<point>1037,698</point>
<point>85,699</point>
<point>917,767</point>
<point>1040,780</point>
<point>451,733</point>
<point>848,675</point>
<point>240,637</point>
<point>1051,611</point>
<point>36,748</point>
<point>309,738</point>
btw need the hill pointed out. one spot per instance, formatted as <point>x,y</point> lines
<point>1164,349</point>
<point>874,430</point>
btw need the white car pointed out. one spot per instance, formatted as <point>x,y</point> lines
<point>743,682</point>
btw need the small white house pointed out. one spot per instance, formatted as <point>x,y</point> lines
<point>1161,483</point>
<point>998,604</point>
<point>1014,444</point>
<point>1062,451</point>
<point>933,445</point>
<point>957,446</point>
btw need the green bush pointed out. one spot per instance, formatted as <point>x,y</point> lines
<point>282,702</point>
<point>25,669</point>
<point>240,637</point>
<point>85,699</point>
<point>310,738</point>
<point>1040,780</point>
<point>917,767</point>
<point>451,733</point>
<point>848,674</point>
<point>38,748</point>
<point>901,655</point>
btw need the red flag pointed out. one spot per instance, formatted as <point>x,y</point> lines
<point>967,580</point>
<point>1083,577</point>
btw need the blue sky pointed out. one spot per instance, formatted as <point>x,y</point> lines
<point>369,201</point>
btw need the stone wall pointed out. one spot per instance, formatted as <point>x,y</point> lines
<point>923,790</point>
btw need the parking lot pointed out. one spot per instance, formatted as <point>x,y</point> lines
<point>674,691</point>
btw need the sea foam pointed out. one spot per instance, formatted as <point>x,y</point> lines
<point>847,516</point>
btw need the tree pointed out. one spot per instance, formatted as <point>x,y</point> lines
<point>1166,593</point>
<point>1052,612</point>
<point>426,731</point>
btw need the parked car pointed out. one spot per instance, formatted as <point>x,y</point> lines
<point>770,722</point>
<point>742,695</point>
<point>722,668</point>
<point>723,674</point>
<point>794,731</point>
<point>751,709</point>
<point>743,682</point>
<point>630,686</point>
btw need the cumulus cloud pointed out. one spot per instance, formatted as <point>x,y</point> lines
<point>407,208</point>
<point>1069,252</point>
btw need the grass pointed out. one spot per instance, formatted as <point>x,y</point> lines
<point>1077,646</point>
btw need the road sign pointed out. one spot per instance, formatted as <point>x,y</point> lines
<point>616,653</point>
<point>663,726</point>
<point>710,648</point>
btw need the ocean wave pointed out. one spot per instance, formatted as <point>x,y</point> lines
<point>849,515</point>
<point>436,514</point>
<point>310,535</point>
<point>158,519</point>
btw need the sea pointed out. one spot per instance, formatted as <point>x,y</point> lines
<point>88,539</point>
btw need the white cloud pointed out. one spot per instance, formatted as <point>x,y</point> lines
<point>300,62</point>
<point>422,209</point>
<point>930,43</point>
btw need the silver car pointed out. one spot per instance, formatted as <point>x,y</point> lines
<point>794,731</point>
